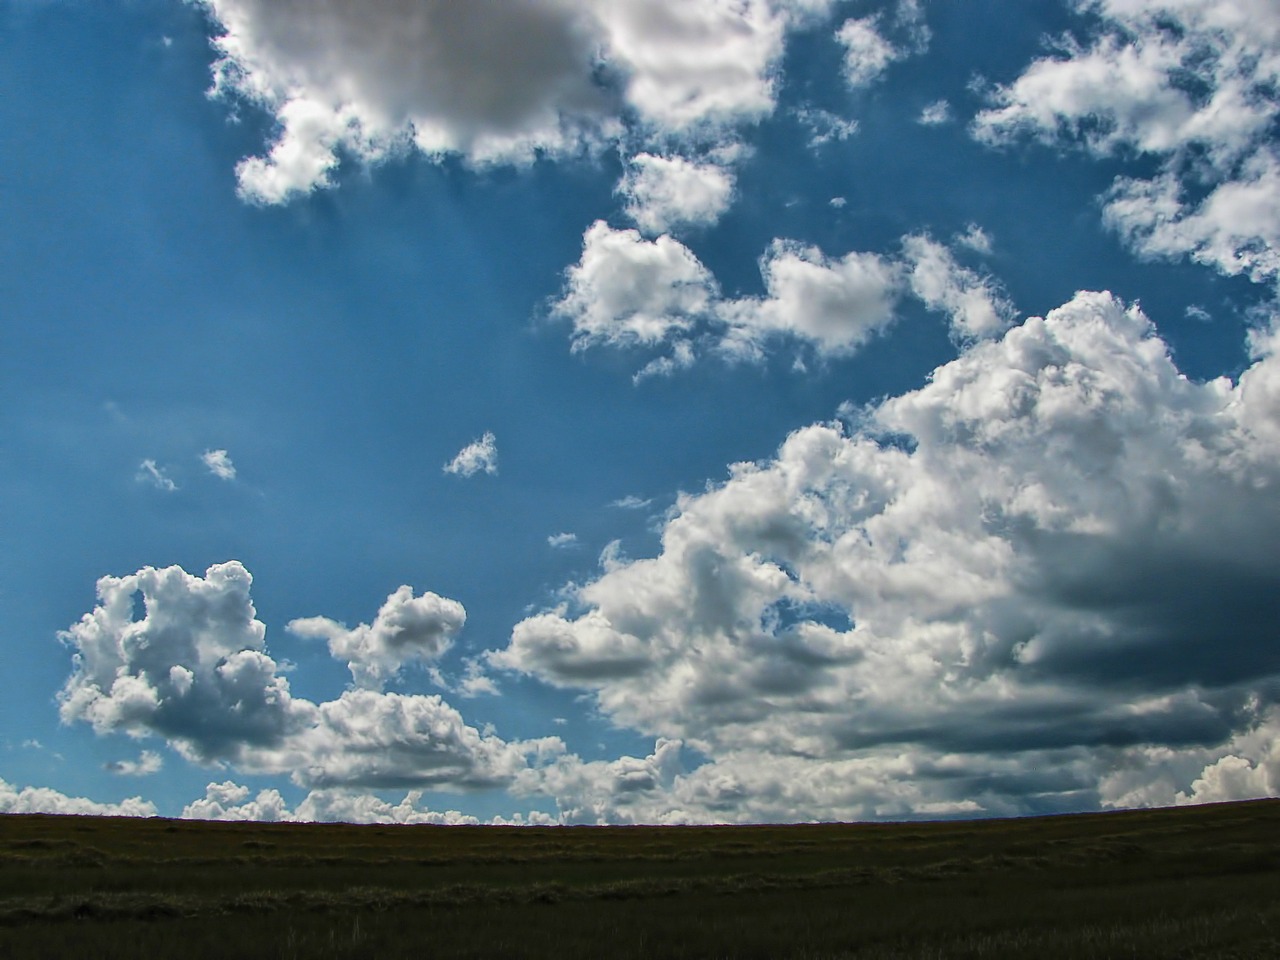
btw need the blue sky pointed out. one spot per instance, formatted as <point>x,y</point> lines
<point>588,411</point>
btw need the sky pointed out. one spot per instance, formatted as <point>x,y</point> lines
<point>638,411</point>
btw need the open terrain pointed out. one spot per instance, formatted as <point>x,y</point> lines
<point>1188,882</point>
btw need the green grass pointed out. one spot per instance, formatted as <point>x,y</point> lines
<point>1191,882</point>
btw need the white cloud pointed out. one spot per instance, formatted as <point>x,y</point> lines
<point>230,801</point>
<point>1190,82</point>
<point>868,52</point>
<point>935,114</point>
<point>562,541</point>
<point>45,800</point>
<point>974,304</point>
<point>628,291</point>
<point>481,455</point>
<point>976,239</point>
<point>667,192</point>
<point>406,629</point>
<point>489,80</point>
<point>148,762</point>
<point>219,464</point>
<point>631,502</point>
<point>1007,586</point>
<point>194,670</point>
<point>838,202</point>
<point>150,473</point>
<point>825,127</point>
<point>837,305</point>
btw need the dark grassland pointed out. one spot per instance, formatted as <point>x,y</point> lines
<point>1191,882</point>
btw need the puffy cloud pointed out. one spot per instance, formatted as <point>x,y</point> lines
<point>665,192</point>
<point>999,591</point>
<point>194,670</point>
<point>868,52</point>
<point>626,290</point>
<point>974,304</point>
<point>1192,82</point>
<point>480,455</point>
<point>219,464</point>
<point>562,541</point>
<point>630,292</point>
<point>148,762</point>
<point>45,800</point>
<point>231,801</point>
<point>824,126</point>
<point>150,473</point>
<point>935,114</point>
<point>492,81</point>
<point>837,305</point>
<point>407,628</point>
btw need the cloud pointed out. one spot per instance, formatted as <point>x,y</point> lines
<point>666,192</point>
<point>834,304</point>
<point>976,239</point>
<point>825,127</point>
<point>230,801</point>
<point>150,473</point>
<point>194,670</point>
<point>475,457</point>
<point>935,114</point>
<point>148,762</point>
<point>219,464</point>
<point>628,291</point>
<point>490,81</point>
<point>45,800</point>
<point>974,304</point>
<point>868,53</point>
<point>631,502</point>
<point>998,592</point>
<point>562,541</point>
<point>1190,82</point>
<point>406,629</point>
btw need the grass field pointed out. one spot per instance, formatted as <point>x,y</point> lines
<point>1189,882</point>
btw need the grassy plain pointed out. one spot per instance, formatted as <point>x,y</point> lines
<point>1183,883</point>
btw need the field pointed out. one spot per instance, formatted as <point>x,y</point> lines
<point>1190,882</point>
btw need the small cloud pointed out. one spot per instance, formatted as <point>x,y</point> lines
<point>824,126</point>
<point>1197,312</point>
<point>474,457</point>
<point>148,472</point>
<point>975,238</point>
<point>33,744</point>
<point>559,721</point>
<point>148,763</point>
<point>837,202</point>
<point>219,464</point>
<point>562,541</point>
<point>935,114</point>
<point>630,502</point>
<point>167,41</point>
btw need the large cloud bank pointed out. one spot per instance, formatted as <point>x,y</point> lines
<point>999,592</point>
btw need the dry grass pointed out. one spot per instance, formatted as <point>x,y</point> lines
<point>1195,882</point>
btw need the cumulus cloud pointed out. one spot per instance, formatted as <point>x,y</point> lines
<point>562,541</point>
<point>231,801</point>
<point>406,629</point>
<point>868,52</point>
<point>667,192</point>
<point>491,81</point>
<point>219,464</point>
<point>996,593</point>
<point>835,304</point>
<point>935,114</point>
<point>975,305</point>
<point>148,762</point>
<point>480,455</point>
<point>193,669</point>
<point>150,473</point>
<point>45,800</point>
<point>628,291</point>
<point>1190,82</point>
